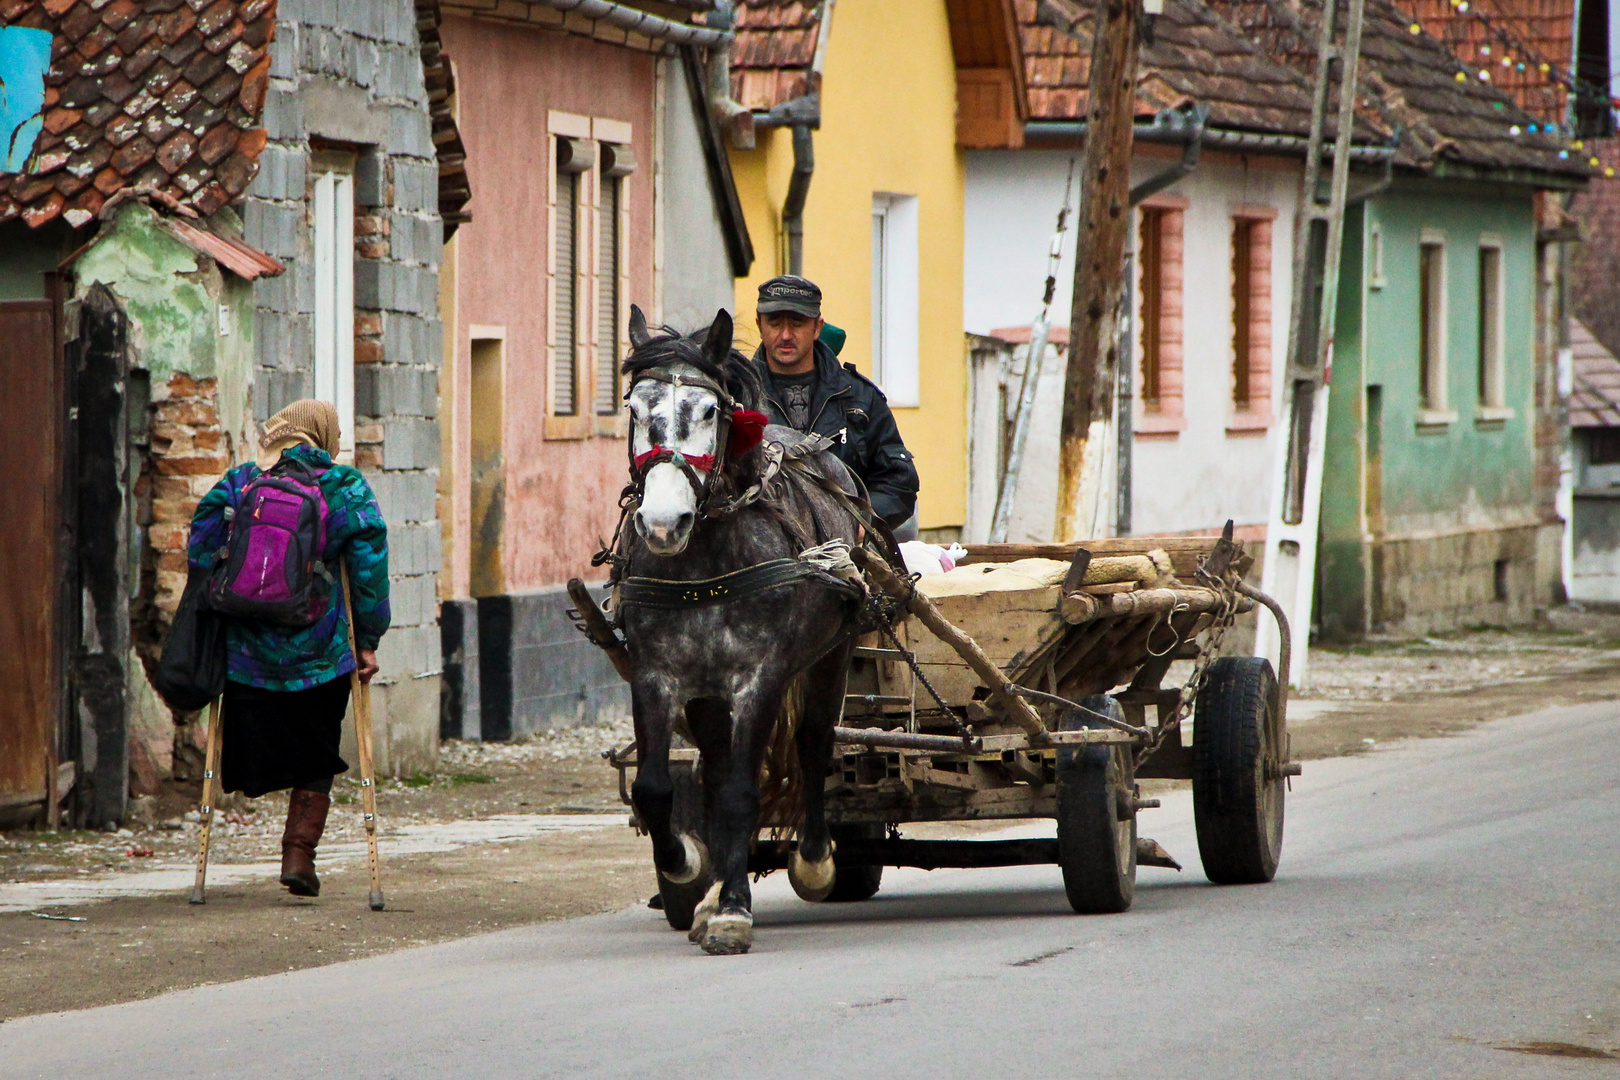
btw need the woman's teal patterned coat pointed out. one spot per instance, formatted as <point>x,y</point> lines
<point>277,658</point>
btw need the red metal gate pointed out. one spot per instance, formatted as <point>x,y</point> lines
<point>31,417</point>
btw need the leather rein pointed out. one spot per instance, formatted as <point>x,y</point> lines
<point>675,594</point>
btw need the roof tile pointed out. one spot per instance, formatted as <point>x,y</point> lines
<point>1409,85</point>
<point>118,111</point>
<point>1195,55</point>
<point>775,46</point>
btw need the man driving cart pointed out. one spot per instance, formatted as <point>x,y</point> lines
<point>809,391</point>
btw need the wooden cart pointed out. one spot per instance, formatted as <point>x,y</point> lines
<point>1028,683</point>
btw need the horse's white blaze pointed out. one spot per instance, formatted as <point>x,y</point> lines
<point>685,420</point>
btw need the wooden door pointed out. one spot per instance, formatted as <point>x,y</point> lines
<point>31,414</point>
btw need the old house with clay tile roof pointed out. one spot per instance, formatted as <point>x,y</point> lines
<point>1444,434</point>
<point>214,207</point>
<point>1443,324</point>
<point>862,117</point>
<point>1208,343</point>
<point>605,184</point>
<point>1553,57</point>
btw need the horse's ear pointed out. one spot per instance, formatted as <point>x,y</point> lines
<point>638,328</point>
<point>717,343</point>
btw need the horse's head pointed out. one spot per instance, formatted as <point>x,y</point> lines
<point>682,392</point>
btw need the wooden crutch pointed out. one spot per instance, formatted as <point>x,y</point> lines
<point>210,792</point>
<point>361,692</point>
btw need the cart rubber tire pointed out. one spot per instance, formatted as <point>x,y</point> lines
<point>1237,785</point>
<point>1096,848</point>
<point>855,883</point>
<point>687,816</point>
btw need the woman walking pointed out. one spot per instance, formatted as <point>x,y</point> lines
<point>287,684</point>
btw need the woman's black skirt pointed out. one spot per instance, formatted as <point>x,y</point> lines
<point>277,739</point>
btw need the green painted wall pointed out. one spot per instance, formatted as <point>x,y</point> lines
<point>173,298</point>
<point>1340,571</point>
<point>1434,478</point>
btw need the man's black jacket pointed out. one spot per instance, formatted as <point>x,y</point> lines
<point>848,407</point>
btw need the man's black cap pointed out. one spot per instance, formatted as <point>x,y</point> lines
<point>789,293</point>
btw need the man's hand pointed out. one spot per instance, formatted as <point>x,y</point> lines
<point>367,663</point>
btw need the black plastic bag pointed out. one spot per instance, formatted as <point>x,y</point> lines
<point>192,670</point>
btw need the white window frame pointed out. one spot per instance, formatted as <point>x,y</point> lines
<point>896,298</point>
<point>332,234</point>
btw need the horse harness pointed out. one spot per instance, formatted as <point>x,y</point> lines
<point>674,594</point>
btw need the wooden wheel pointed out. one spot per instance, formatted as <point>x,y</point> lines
<point>1238,784</point>
<point>681,901</point>
<point>1096,818</point>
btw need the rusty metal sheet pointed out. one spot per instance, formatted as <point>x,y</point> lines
<point>30,487</point>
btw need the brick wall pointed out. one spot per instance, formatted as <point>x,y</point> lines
<point>1595,264</point>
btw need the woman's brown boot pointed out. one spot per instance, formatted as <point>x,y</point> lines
<point>306,819</point>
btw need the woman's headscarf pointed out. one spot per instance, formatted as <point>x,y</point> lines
<point>306,421</point>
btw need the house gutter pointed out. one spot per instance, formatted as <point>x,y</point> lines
<point>641,22</point>
<point>1188,126</point>
<point>1212,138</point>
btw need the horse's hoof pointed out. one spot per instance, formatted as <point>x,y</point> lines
<point>813,881</point>
<point>728,935</point>
<point>697,861</point>
<point>705,911</point>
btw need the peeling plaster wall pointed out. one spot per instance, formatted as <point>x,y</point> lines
<point>190,345</point>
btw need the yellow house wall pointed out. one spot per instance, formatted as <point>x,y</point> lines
<point>888,124</point>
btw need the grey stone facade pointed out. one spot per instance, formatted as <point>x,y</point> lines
<point>348,74</point>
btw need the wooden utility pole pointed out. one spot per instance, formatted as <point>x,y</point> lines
<point>1099,266</point>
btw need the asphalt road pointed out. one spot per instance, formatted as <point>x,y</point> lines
<point>1438,902</point>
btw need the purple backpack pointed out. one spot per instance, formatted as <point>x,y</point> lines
<point>270,569</point>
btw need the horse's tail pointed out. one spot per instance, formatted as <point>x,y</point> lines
<point>781,781</point>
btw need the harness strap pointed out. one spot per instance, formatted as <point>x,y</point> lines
<point>727,588</point>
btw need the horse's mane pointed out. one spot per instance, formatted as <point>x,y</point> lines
<point>738,374</point>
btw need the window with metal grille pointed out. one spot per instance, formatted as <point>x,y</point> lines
<point>607,296</point>
<point>573,158</point>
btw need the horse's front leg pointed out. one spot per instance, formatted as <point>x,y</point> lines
<point>732,755</point>
<point>810,871</point>
<point>680,859</point>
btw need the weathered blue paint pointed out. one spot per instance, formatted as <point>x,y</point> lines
<point>25,57</point>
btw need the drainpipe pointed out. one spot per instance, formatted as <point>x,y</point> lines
<point>1189,125</point>
<point>804,165</point>
<point>735,118</point>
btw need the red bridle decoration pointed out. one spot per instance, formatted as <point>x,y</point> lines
<point>747,431</point>
<point>704,462</point>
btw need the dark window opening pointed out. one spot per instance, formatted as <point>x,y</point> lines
<point>1431,327</point>
<point>1603,446</point>
<point>1242,309</point>
<point>1152,241</point>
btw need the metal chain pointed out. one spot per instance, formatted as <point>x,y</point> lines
<point>1225,616</point>
<point>916,672</point>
